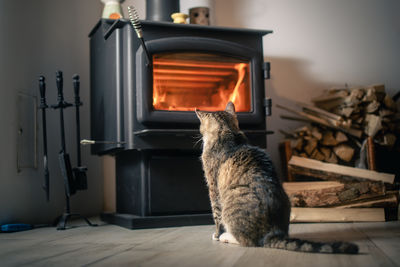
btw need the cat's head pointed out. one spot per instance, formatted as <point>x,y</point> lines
<point>212,123</point>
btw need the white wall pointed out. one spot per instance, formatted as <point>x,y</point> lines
<point>38,38</point>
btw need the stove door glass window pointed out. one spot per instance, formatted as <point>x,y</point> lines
<point>185,81</point>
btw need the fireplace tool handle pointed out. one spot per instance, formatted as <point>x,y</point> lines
<point>137,26</point>
<point>85,142</point>
<point>79,171</point>
<point>78,103</point>
<point>43,106</point>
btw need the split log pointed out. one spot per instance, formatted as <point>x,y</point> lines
<point>303,131</point>
<point>325,122</point>
<point>344,152</point>
<point>329,171</point>
<point>324,194</point>
<point>346,111</point>
<point>326,151</point>
<point>374,124</point>
<point>292,118</point>
<point>328,139</point>
<point>355,97</point>
<point>340,137</point>
<point>317,155</point>
<point>320,112</point>
<point>369,95</point>
<point>332,158</point>
<point>311,146</point>
<point>387,201</point>
<point>298,144</point>
<point>337,215</point>
<point>372,107</point>
<point>315,132</point>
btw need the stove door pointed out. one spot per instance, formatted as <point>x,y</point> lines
<point>202,73</point>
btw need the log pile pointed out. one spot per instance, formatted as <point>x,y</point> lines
<point>323,144</point>
<point>369,110</point>
<point>366,193</point>
<point>343,127</point>
<point>341,120</point>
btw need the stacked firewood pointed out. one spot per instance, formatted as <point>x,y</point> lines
<point>322,144</point>
<point>344,194</point>
<point>369,110</point>
<point>341,119</point>
<point>339,124</point>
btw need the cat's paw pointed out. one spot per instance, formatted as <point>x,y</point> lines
<point>215,237</point>
<point>228,238</point>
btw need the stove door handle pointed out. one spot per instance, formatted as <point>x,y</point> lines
<point>268,106</point>
<point>267,70</point>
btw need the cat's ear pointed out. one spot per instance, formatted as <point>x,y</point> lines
<point>199,114</point>
<point>230,108</point>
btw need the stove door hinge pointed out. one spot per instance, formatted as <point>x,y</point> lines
<point>267,69</point>
<point>268,106</point>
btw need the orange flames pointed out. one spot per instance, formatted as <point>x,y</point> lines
<point>185,81</point>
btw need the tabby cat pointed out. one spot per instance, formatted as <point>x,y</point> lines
<point>248,202</point>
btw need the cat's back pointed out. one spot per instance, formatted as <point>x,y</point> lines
<point>246,165</point>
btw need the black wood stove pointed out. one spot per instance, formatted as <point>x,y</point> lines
<point>149,109</point>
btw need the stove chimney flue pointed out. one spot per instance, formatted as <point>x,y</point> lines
<point>161,10</point>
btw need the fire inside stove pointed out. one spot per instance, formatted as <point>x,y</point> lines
<point>185,81</point>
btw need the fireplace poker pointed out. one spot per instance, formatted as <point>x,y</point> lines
<point>43,106</point>
<point>63,156</point>
<point>79,171</point>
<point>137,26</point>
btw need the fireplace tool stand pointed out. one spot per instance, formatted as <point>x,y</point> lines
<point>70,182</point>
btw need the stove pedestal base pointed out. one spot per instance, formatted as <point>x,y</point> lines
<point>138,222</point>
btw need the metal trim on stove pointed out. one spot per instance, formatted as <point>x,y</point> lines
<point>191,132</point>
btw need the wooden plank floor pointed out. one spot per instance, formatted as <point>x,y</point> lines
<point>109,245</point>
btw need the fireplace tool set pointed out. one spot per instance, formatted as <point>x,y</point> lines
<point>74,178</point>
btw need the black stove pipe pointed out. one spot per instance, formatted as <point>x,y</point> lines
<point>161,10</point>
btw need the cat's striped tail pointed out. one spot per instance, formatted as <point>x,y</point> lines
<point>300,245</point>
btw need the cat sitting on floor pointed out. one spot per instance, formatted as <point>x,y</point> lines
<point>248,202</point>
